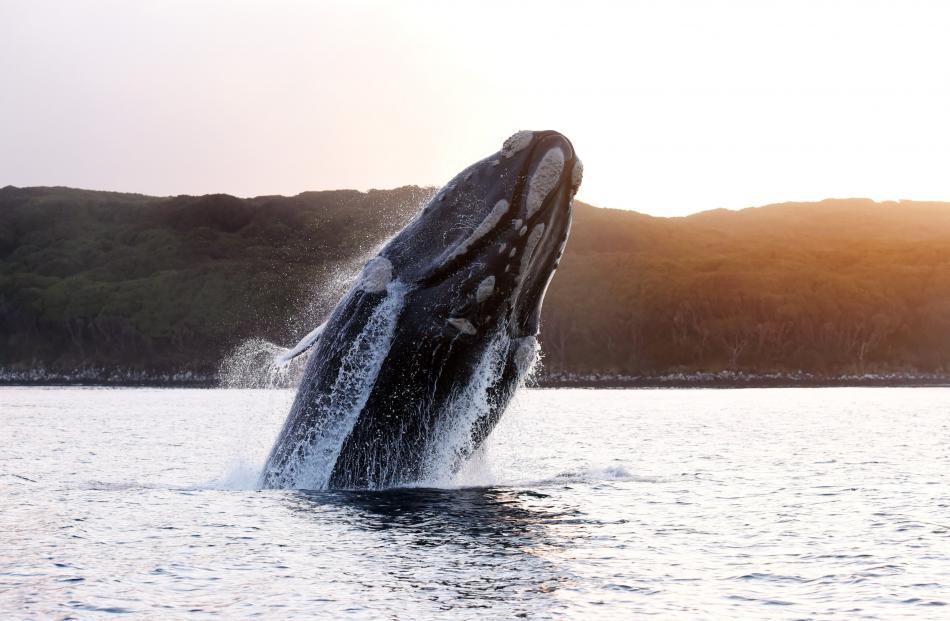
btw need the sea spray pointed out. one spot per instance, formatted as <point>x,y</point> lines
<point>317,451</point>
<point>252,365</point>
<point>255,362</point>
<point>451,443</point>
<point>416,365</point>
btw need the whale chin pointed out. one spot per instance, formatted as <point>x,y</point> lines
<point>419,360</point>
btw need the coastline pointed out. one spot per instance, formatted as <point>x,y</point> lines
<point>94,377</point>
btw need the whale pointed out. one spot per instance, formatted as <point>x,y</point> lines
<point>421,357</point>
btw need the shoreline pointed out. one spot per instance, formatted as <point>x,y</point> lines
<point>723,380</point>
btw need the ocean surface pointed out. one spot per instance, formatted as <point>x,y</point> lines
<point>677,504</point>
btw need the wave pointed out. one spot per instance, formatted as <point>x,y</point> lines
<point>243,475</point>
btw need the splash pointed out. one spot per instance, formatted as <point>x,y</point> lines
<point>258,363</point>
<point>453,457</point>
<point>253,364</point>
<point>451,441</point>
<point>240,474</point>
<point>317,451</point>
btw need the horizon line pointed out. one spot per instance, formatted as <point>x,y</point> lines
<point>876,201</point>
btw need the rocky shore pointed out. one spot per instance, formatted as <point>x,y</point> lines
<point>92,376</point>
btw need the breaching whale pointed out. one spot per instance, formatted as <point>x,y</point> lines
<point>420,358</point>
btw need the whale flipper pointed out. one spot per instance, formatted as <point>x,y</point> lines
<point>305,343</point>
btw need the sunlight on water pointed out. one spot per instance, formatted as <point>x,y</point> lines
<point>752,504</point>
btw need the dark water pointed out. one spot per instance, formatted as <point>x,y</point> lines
<point>755,504</point>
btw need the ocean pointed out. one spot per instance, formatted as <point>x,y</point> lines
<point>801,503</point>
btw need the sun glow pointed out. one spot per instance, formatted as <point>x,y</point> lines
<point>674,107</point>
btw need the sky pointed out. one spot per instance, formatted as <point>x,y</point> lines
<point>674,107</point>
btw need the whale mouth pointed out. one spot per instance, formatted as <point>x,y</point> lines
<point>548,190</point>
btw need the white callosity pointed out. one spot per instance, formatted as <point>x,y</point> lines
<point>533,240</point>
<point>577,174</point>
<point>516,143</point>
<point>462,325</point>
<point>484,228</point>
<point>376,276</point>
<point>544,178</point>
<point>485,289</point>
<point>531,244</point>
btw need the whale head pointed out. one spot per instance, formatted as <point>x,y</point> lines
<point>482,251</point>
<point>420,358</point>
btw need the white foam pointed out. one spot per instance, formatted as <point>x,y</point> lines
<point>345,400</point>
<point>610,472</point>
<point>253,364</point>
<point>451,440</point>
<point>544,178</point>
<point>240,474</point>
<point>526,356</point>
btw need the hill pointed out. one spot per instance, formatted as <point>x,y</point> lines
<point>157,286</point>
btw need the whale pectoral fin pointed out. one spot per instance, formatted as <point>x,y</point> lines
<point>305,343</point>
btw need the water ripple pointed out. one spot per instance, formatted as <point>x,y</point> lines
<point>771,504</point>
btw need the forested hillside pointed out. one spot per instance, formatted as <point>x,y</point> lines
<point>840,286</point>
<point>160,285</point>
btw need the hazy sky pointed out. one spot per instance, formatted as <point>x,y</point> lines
<point>675,107</point>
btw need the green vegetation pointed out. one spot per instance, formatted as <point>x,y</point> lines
<point>829,288</point>
<point>98,279</point>
<point>162,285</point>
